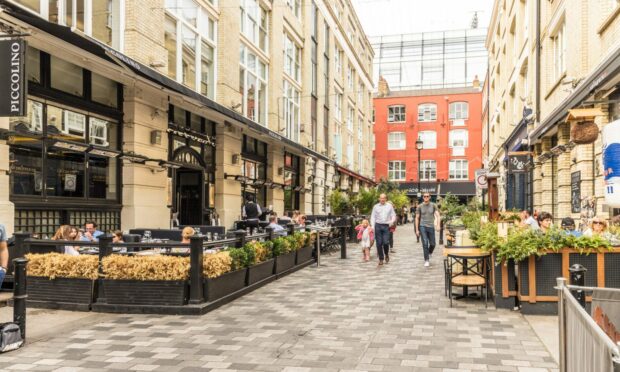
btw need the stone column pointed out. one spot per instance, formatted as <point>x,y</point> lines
<point>599,178</point>
<point>7,209</point>
<point>546,197</point>
<point>275,171</point>
<point>145,187</point>
<point>563,174</point>
<point>228,191</point>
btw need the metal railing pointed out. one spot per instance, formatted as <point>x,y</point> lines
<point>584,346</point>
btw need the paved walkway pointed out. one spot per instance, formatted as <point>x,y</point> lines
<point>345,316</point>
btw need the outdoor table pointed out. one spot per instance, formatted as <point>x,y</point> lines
<point>462,255</point>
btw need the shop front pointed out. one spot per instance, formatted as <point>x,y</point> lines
<point>64,152</point>
<point>192,152</point>
<point>463,190</point>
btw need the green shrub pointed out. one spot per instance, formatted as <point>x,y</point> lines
<point>281,246</point>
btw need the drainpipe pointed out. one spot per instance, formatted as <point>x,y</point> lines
<point>537,116</point>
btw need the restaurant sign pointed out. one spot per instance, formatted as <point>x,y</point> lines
<point>12,77</point>
<point>517,162</point>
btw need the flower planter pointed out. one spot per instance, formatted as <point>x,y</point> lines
<point>260,271</point>
<point>145,292</point>
<point>285,262</point>
<point>304,254</point>
<point>231,282</point>
<point>68,293</point>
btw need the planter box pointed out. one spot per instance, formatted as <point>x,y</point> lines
<point>224,285</point>
<point>504,285</point>
<point>304,254</point>
<point>285,262</point>
<point>145,292</point>
<point>61,291</point>
<point>260,272</point>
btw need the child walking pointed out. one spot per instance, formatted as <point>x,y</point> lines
<point>366,236</point>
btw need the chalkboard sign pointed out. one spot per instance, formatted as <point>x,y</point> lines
<point>575,192</point>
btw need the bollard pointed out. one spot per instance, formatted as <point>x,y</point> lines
<point>196,291</point>
<point>578,278</point>
<point>290,228</point>
<point>105,249</point>
<point>269,231</point>
<point>20,295</point>
<point>240,236</point>
<point>343,242</point>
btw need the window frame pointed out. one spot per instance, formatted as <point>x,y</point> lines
<point>434,143</point>
<point>452,139</point>
<point>463,170</point>
<point>401,171</point>
<point>393,115</point>
<point>426,176</point>
<point>399,143</point>
<point>423,109</point>
<point>455,110</point>
<point>292,58</point>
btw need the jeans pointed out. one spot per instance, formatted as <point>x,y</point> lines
<point>428,241</point>
<point>2,274</point>
<point>382,238</point>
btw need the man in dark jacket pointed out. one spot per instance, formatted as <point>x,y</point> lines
<point>251,213</point>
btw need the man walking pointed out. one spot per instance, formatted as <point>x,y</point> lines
<point>382,216</point>
<point>427,220</point>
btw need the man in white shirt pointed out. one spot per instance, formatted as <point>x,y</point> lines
<point>528,220</point>
<point>382,216</point>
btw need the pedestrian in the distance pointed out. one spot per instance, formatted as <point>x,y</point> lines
<point>381,218</point>
<point>414,206</point>
<point>427,220</point>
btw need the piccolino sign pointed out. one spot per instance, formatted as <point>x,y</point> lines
<point>12,71</point>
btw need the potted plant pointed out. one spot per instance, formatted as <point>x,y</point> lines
<point>61,281</point>
<point>285,252</point>
<point>260,263</point>
<point>223,275</point>
<point>145,280</point>
<point>304,254</point>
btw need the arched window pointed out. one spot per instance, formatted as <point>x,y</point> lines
<point>459,110</point>
<point>396,113</point>
<point>427,112</point>
<point>429,138</point>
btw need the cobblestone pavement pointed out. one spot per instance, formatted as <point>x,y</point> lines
<point>345,316</point>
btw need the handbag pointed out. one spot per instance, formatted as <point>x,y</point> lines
<point>10,337</point>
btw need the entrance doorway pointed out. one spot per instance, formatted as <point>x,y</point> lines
<point>189,196</point>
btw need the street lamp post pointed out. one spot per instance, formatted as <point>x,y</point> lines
<point>419,144</point>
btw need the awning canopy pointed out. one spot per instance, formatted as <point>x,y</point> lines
<point>354,175</point>
<point>455,188</point>
<point>584,113</point>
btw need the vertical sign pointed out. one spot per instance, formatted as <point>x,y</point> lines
<point>12,77</point>
<point>481,179</point>
<point>575,192</point>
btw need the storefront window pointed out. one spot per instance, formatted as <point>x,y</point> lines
<point>102,178</point>
<point>26,165</point>
<point>33,122</point>
<point>291,180</point>
<point>104,90</point>
<point>67,77</point>
<point>65,173</point>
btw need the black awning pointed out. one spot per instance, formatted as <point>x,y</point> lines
<point>103,51</point>
<point>454,187</point>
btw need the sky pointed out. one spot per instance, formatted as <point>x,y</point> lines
<point>389,17</point>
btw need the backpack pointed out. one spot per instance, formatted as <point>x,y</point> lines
<point>10,337</point>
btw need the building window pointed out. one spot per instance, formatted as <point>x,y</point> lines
<point>291,111</point>
<point>360,127</point>
<point>292,168</point>
<point>360,157</point>
<point>255,23</point>
<point>559,53</point>
<point>350,116</point>
<point>350,151</point>
<point>338,61</point>
<point>189,38</point>
<point>429,138</point>
<point>253,85</point>
<point>428,170</point>
<point>373,114</point>
<point>350,77</point>
<point>458,138</point>
<point>458,169</point>
<point>397,141</point>
<point>292,58</point>
<point>338,106</point>
<point>459,110</point>
<point>396,114</point>
<point>360,93</point>
<point>396,170</point>
<point>427,112</point>
<point>295,6</point>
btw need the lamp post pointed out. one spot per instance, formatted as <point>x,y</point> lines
<point>419,144</point>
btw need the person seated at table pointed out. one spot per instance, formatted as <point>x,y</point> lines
<point>277,228</point>
<point>527,220</point>
<point>75,233</point>
<point>64,233</point>
<point>186,234</point>
<point>301,220</point>
<point>117,236</point>
<point>598,226</point>
<point>91,234</point>
<point>545,220</point>
<point>568,226</point>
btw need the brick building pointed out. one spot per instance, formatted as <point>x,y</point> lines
<point>447,121</point>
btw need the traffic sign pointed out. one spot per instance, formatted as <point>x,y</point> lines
<point>481,178</point>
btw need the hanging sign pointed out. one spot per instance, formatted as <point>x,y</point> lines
<point>575,192</point>
<point>516,163</point>
<point>12,77</point>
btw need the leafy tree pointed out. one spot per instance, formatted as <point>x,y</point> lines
<point>450,207</point>
<point>386,186</point>
<point>398,198</point>
<point>339,203</point>
<point>366,199</point>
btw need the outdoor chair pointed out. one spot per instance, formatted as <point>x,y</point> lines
<point>474,272</point>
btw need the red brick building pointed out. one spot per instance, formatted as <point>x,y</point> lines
<point>447,120</point>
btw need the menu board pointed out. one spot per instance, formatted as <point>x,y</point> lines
<point>575,192</point>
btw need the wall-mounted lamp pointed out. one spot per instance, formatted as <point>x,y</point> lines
<point>156,137</point>
<point>336,178</point>
<point>235,159</point>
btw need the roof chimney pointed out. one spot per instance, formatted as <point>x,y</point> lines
<point>476,83</point>
<point>383,87</point>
